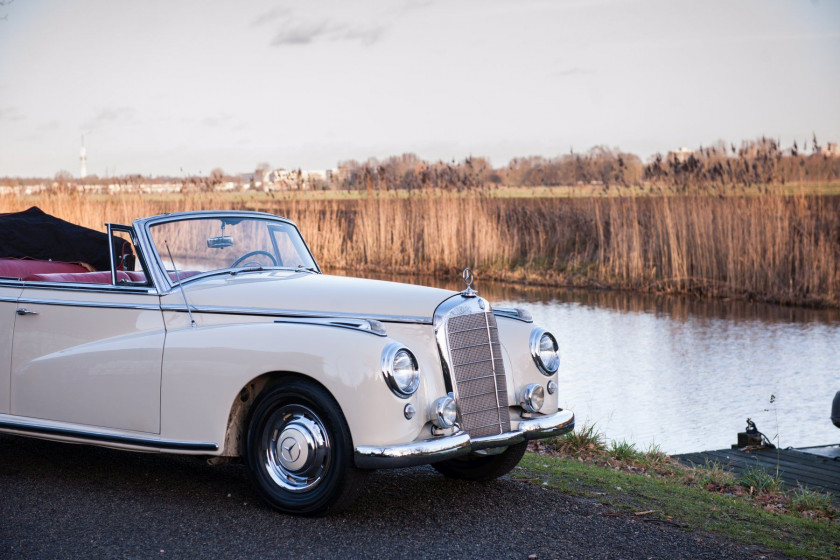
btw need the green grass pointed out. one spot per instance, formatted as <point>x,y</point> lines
<point>584,439</point>
<point>710,476</point>
<point>624,451</point>
<point>804,499</point>
<point>691,507</point>
<point>757,479</point>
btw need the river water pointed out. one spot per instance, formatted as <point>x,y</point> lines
<point>685,374</point>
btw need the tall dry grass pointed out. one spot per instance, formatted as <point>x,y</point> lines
<point>769,247</point>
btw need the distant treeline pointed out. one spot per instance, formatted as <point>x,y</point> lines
<point>756,162</point>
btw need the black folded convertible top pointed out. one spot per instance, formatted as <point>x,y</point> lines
<point>34,233</point>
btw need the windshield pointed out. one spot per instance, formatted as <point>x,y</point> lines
<point>201,245</point>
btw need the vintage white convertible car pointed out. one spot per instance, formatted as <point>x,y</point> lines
<point>216,334</point>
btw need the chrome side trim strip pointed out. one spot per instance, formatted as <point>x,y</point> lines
<point>299,313</point>
<point>364,325</point>
<point>95,304</point>
<point>79,287</point>
<point>456,445</point>
<point>513,313</point>
<point>36,429</point>
<point>85,287</point>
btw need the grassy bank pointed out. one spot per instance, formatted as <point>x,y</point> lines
<point>768,246</point>
<point>622,480</point>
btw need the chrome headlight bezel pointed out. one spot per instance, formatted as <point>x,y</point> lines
<point>532,397</point>
<point>444,412</point>
<point>390,355</point>
<point>538,335</point>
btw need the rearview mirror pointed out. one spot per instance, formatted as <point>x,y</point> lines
<point>220,242</point>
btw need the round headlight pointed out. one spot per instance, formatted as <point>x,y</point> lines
<point>532,398</point>
<point>444,412</point>
<point>399,366</point>
<point>544,351</point>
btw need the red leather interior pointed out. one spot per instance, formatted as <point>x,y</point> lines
<point>182,274</point>
<point>141,277</point>
<point>101,277</point>
<point>23,268</point>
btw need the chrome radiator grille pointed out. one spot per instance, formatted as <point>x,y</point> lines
<point>479,374</point>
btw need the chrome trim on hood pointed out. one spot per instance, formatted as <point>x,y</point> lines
<point>296,313</point>
<point>370,326</point>
<point>513,313</point>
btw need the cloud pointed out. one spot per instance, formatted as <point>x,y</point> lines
<point>300,33</point>
<point>107,115</point>
<point>366,36</point>
<point>268,16</point>
<point>304,33</point>
<point>10,114</point>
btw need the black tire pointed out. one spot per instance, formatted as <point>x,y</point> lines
<point>482,467</point>
<point>310,479</point>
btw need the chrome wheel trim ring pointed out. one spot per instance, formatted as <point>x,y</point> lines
<point>296,448</point>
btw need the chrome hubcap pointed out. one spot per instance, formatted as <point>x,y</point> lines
<point>296,448</point>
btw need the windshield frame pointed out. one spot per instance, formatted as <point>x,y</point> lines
<point>157,265</point>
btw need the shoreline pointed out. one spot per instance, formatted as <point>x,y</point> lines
<point>551,279</point>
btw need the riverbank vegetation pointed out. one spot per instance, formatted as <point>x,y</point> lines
<point>765,246</point>
<point>650,486</point>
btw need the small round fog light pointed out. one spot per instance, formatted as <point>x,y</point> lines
<point>552,387</point>
<point>532,398</point>
<point>444,413</point>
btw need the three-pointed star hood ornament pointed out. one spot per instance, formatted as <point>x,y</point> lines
<point>467,275</point>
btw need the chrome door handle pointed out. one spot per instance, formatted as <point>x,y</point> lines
<point>25,311</point>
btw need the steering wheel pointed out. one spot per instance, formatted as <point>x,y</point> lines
<point>254,254</point>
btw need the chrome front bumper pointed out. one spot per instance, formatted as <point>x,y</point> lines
<point>460,443</point>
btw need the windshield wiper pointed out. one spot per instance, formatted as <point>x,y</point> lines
<point>252,268</point>
<point>301,268</point>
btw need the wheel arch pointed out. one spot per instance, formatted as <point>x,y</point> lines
<point>243,403</point>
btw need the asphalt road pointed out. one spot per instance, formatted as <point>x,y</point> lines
<point>71,501</point>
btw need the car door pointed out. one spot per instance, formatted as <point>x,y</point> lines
<point>8,305</point>
<point>88,355</point>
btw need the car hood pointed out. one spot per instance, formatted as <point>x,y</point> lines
<point>316,294</point>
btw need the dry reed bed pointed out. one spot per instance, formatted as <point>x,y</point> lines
<point>771,247</point>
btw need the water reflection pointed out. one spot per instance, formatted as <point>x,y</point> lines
<point>686,373</point>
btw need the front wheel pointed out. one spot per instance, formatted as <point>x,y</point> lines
<point>299,452</point>
<point>482,467</point>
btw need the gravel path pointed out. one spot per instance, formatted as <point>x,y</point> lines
<point>70,501</point>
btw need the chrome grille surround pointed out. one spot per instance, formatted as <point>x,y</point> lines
<point>471,355</point>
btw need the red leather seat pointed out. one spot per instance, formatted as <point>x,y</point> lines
<point>22,268</point>
<point>101,277</point>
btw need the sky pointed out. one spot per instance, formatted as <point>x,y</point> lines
<point>182,87</point>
